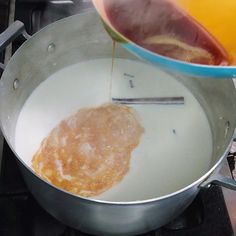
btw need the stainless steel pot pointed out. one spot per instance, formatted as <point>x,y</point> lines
<point>35,61</point>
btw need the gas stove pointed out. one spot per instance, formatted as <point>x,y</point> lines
<point>211,213</point>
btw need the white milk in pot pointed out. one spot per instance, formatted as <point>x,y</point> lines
<point>175,148</point>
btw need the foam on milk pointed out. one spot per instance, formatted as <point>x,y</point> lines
<point>175,149</point>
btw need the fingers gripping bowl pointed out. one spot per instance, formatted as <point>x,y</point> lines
<point>132,206</point>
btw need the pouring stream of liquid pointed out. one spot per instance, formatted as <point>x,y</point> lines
<point>112,68</point>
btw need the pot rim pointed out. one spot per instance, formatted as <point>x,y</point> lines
<point>93,200</point>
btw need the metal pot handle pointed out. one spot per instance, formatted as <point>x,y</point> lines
<point>218,179</point>
<point>10,34</point>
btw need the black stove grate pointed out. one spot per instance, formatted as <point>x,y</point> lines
<point>4,13</point>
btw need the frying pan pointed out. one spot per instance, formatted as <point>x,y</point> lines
<point>76,39</point>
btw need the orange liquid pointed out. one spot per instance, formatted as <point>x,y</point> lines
<point>163,27</point>
<point>218,17</point>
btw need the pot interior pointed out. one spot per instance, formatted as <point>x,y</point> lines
<point>71,45</point>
